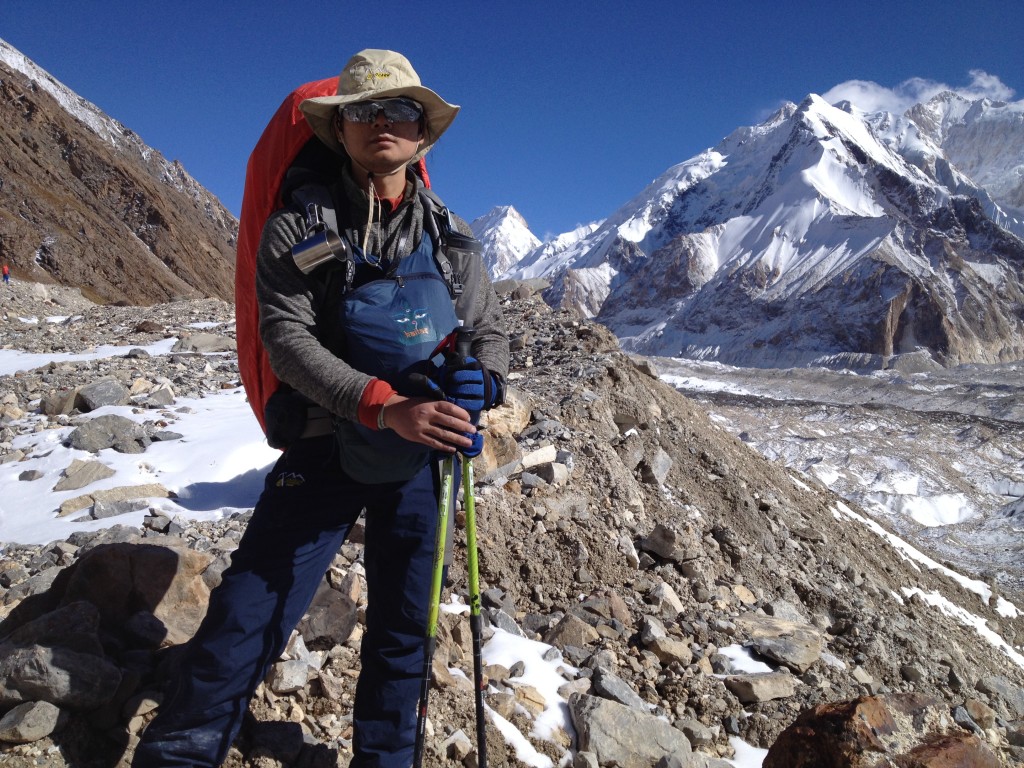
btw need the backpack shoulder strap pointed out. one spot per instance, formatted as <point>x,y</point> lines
<point>316,203</point>
<point>437,220</point>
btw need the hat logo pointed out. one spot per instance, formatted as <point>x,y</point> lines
<point>377,74</point>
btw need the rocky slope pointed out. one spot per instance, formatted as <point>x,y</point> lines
<point>637,541</point>
<point>84,202</point>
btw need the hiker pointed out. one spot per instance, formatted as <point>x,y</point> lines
<point>7,275</point>
<point>359,443</point>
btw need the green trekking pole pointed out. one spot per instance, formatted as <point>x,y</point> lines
<point>443,506</point>
<point>463,344</point>
<point>475,625</point>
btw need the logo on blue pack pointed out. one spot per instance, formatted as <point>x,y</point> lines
<point>414,325</point>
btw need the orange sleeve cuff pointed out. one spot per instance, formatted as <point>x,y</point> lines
<point>377,393</point>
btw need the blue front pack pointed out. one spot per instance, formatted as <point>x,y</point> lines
<point>391,326</point>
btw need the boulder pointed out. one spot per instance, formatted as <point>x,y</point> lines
<point>899,729</point>
<point>618,735</point>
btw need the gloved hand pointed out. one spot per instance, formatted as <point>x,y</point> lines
<point>429,385</point>
<point>422,384</point>
<point>474,450</point>
<point>467,383</point>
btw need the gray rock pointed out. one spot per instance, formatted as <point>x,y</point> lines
<point>665,599</point>
<point>536,458</point>
<point>57,403</point>
<point>112,496</point>
<point>610,686</point>
<point>458,746</point>
<point>751,689</point>
<point>109,431</point>
<point>165,435</point>
<point>107,391</point>
<point>34,584</point>
<point>330,619</point>
<point>911,673</point>
<point>647,366</point>
<point>554,473</point>
<point>204,343</point>
<point>12,573</point>
<point>31,721</point>
<point>531,480</point>
<point>669,649</point>
<point>964,720</point>
<point>631,450</point>
<point>1002,687</point>
<point>161,396</point>
<point>652,629</point>
<point>698,734</point>
<point>571,630</point>
<point>102,509</point>
<point>289,676</point>
<point>58,674</point>
<point>672,544</point>
<point>628,551</point>
<point>618,735</point>
<point>795,645</point>
<point>82,473</point>
<point>502,620</point>
<point>655,468</point>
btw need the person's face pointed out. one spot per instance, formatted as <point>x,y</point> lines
<point>382,145</point>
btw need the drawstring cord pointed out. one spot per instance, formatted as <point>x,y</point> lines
<point>371,192</point>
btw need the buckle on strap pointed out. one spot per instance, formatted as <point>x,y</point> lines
<point>319,422</point>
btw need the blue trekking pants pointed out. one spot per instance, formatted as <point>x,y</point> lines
<point>306,510</point>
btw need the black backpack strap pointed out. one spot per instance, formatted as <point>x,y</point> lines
<point>317,205</point>
<point>437,220</point>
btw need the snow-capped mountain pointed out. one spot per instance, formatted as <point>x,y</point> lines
<point>984,139</point>
<point>823,236</point>
<point>506,238</point>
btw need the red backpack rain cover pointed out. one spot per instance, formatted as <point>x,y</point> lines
<point>285,134</point>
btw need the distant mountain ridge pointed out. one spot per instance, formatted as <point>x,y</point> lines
<point>85,202</point>
<point>824,236</point>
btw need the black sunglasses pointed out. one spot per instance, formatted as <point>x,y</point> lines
<point>395,111</point>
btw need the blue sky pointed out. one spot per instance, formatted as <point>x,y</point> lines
<point>569,108</point>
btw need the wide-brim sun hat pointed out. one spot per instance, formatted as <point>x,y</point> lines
<point>378,74</point>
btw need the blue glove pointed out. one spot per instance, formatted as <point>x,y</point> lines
<point>429,385</point>
<point>424,385</point>
<point>474,450</point>
<point>469,385</point>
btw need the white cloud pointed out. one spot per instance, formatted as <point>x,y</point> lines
<point>872,97</point>
<point>984,85</point>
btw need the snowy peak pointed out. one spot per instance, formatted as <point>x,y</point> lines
<point>826,235</point>
<point>506,238</point>
<point>983,139</point>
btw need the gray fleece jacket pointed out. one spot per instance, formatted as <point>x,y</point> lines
<point>291,303</point>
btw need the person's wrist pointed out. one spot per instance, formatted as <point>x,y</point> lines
<point>381,423</point>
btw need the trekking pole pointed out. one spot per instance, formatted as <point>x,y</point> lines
<point>443,506</point>
<point>462,348</point>
<point>472,567</point>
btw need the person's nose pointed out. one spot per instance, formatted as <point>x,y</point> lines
<point>380,119</point>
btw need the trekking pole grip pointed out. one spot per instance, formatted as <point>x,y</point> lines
<point>464,342</point>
